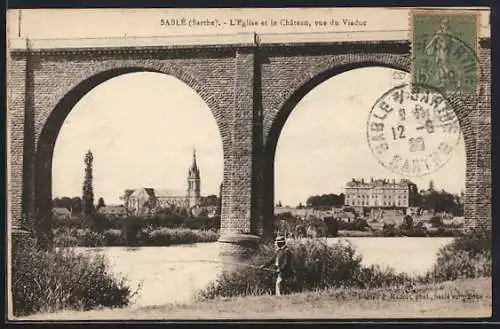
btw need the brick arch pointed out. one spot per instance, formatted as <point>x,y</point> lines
<point>93,75</point>
<point>315,75</point>
<point>53,123</point>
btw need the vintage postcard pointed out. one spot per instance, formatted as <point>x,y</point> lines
<point>250,164</point>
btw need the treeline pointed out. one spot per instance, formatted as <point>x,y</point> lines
<point>99,222</point>
<point>101,230</point>
<point>441,201</point>
<point>325,200</point>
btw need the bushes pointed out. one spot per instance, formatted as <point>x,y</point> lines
<point>48,281</point>
<point>113,237</point>
<point>148,236</point>
<point>316,265</point>
<point>131,227</point>
<point>415,230</point>
<point>355,225</point>
<point>468,256</point>
<point>165,237</point>
<point>455,264</point>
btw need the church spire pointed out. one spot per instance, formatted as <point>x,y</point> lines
<point>194,158</point>
<point>194,171</point>
<point>194,183</point>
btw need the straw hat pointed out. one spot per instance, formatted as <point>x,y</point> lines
<point>280,239</point>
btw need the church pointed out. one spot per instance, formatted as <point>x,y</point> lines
<point>145,200</point>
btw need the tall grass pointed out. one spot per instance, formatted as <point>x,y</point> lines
<point>468,256</point>
<point>316,265</point>
<point>166,236</point>
<point>45,281</point>
<point>319,266</point>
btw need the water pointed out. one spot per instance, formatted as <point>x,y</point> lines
<point>172,274</point>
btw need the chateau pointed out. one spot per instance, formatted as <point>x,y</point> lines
<point>143,200</point>
<point>381,193</point>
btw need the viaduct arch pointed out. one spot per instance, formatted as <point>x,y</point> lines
<point>251,87</point>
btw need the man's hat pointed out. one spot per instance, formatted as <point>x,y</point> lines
<point>280,239</point>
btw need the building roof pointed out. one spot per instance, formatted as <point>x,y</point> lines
<point>156,193</point>
<point>379,183</point>
<point>137,192</point>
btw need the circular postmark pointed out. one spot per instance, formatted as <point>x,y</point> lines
<point>412,130</point>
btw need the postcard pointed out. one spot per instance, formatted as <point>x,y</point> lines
<point>250,164</point>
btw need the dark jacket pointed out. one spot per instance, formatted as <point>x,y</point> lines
<point>282,261</point>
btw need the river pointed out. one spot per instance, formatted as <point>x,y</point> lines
<point>172,274</point>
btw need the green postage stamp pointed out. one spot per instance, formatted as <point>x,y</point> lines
<point>444,49</point>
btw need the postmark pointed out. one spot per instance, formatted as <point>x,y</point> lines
<point>412,130</point>
<point>444,49</point>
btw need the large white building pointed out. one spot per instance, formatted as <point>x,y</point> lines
<point>381,193</point>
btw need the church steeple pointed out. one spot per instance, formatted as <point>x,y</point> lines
<point>194,182</point>
<point>194,172</point>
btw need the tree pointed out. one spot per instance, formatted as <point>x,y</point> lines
<point>407,224</point>
<point>76,205</point>
<point>440,201</point>
<point>88,190</point>
<point>436,221</point>
<point>326,200</point>
<point>431,186</point>
<point>219,204</point>
<point>100,203</point>
<point>210,200</point>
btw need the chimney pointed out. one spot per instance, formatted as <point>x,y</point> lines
<point>393,181</point>
<point>362,180</point>
<point>371,179</point>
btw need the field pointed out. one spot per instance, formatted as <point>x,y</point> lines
<point>462,298</point>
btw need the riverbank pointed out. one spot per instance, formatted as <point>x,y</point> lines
<point>149,236</point>
<point>460,299</point>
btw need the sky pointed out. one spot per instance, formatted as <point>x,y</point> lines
<point>141,128</point>
<point>323,144</point>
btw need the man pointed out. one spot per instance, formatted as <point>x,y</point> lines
<point>282,262</point>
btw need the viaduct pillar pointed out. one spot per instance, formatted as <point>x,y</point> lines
<point>241,220</point>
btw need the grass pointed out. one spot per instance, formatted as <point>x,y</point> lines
<point>460,298</point>
<point>326,278</point>
<point>45,281</point>
<point>318,265</point>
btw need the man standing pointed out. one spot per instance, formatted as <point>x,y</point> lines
<point>282,262</point>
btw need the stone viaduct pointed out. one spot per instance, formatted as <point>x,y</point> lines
<point>251,87</point>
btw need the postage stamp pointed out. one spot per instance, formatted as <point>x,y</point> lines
<point>412,131</point>
<point>444,49</point>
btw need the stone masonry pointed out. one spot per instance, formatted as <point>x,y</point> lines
<point>251,89</point>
